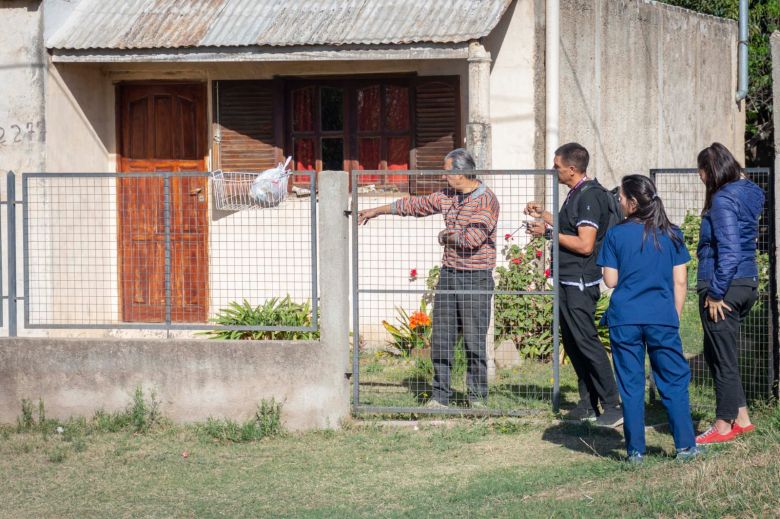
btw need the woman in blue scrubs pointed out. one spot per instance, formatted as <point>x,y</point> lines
<point>644,259</point>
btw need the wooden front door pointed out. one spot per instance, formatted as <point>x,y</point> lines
<point>162,127</point>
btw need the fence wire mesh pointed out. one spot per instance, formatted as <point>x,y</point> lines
<point>470,324</point>
<point>683,195</point>
<point>150,250</point>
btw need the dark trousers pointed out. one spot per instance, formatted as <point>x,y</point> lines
<point>456,313</point>
<point>670,371</point>
<point>595,380</point>
<point>720,349</point>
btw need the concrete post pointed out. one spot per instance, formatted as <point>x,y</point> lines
<point>478,130</point>
<point>479,141</point>
<point>775,49</point>
<point>333,239</point>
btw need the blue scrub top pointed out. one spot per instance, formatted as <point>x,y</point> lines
<point>645,289</point>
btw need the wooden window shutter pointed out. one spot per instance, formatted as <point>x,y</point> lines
<point>437,128</point>
<point>245,115</point>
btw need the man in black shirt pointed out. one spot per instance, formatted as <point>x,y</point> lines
<point>583,220</point>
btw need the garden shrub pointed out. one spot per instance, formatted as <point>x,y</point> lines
<point>274,312</point>
<point>525,320</point>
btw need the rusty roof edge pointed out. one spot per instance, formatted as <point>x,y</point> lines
<point>93,25</point>
<point>348,52</point>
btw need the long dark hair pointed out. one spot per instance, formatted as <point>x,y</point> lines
<point>649,210</point>
<point>720,167</point>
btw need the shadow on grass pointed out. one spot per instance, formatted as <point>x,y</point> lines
<point>588,439</point>
<point>520,394</point>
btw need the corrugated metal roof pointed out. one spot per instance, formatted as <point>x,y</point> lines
<point>150,24</point>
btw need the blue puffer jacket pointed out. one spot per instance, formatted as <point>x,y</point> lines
<point>727,241</point>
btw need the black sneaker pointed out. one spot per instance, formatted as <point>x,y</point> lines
<point>581,413</point>
<point>611,417</point>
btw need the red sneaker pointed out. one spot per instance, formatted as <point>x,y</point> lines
<point>737,429</point>
<point>712,435</point>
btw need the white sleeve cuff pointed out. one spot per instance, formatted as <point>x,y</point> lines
<point>588,223</point>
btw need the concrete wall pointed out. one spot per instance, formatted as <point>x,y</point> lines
<point>511,45</point>
<point>80,110</point>
<point>646,85</point>
<point>193,379</point>
<point>22,83</point>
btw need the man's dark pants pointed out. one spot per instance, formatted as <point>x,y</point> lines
<point>464,312</point>
<point>596,382</point>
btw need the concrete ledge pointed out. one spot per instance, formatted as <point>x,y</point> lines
<point>193,379</point>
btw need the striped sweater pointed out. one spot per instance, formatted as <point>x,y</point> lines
<point>471,217</point>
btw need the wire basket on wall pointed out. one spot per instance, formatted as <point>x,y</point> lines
<point>234,191</point>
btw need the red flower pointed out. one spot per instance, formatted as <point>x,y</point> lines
<point>538,254</point>
<point>516,261</point>
<point>413,275</point>
<point>507,237</point>
<point>547,273</point>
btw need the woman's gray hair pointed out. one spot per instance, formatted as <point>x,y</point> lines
<point>462,161</point>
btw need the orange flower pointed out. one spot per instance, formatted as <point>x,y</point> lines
<point>419,319</point>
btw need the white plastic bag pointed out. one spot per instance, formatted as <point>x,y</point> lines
<point>269,189</point>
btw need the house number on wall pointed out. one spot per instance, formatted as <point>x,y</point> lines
<point>18,133</point>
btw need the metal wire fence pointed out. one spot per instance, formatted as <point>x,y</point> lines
<point>454,304</point>
<point>153,251</point>
<point>683,195</point>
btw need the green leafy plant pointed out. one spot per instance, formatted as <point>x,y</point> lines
<point>144,415</point>
<point>525,320</point>
<point>26,421</point>
<point>266,422</point>
<point>601,307</point>
<point>414,330</point>
<point>690,228</point>
<point>274,312</point>
<point>140,416</point>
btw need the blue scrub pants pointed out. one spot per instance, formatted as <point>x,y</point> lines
<point>671,373</point>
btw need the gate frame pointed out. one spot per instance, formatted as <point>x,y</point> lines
<point>357,408</point>
<point>774,309</point>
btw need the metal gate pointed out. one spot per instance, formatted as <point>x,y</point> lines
<point>397,279</point>
<point>683,195</point>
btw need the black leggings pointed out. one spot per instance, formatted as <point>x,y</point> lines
<point>721,351</point>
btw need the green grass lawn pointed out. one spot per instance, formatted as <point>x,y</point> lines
<point>464,468</point>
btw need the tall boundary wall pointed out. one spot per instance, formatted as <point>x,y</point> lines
<point>647,85</point>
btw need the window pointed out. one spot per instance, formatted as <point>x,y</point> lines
<point>350,124</point>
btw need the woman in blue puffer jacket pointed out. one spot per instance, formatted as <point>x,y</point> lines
<point>727,282</point>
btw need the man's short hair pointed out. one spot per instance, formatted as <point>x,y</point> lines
<point>573,154</point>
<point>462,161</point>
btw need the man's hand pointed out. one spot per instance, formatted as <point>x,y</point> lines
<point>715,308</point>
<point>535,229</point>
<point>535,210</point>
<point>367,214</point>
<point>448,238</point>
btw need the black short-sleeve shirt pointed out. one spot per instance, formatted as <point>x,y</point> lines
<point>589,206</point>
